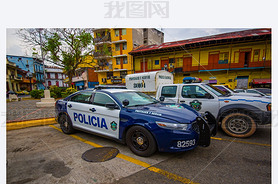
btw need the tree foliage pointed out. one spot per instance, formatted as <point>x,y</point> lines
<point>64,46</point>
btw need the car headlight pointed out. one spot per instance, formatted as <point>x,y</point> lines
<point>268,107</point>
<point>172,126</point>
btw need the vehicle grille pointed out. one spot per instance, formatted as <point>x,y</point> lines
<point>195,127</point>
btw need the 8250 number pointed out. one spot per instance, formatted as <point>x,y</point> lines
<point>185,144</point>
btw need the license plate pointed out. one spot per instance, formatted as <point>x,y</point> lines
<point>185,144</point>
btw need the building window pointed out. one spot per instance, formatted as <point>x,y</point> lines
<point>109,75</point>
<point>236,57</point>
<point>156,62</point>
<point>56,75</point>
<point>49,83</point>
<point>179,62</point>
<point>123,74</point>
<point>117,32</point>
<point>223,58</point>
<point>117,47</point>
<point>123,31</point>
<point>124,46</point>
<point>125,60</point>
<point>118,61</point>
<point>256,55</point>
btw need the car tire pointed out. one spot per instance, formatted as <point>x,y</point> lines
<point>140,141</point>
<point>65,124</point>
<point>239,125</point>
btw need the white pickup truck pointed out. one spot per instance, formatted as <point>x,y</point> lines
<point>238,115</point>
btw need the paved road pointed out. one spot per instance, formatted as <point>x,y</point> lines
<point>26,110</point>
<point>45,155</point>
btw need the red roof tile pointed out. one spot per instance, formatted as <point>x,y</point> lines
<point>231,35</point>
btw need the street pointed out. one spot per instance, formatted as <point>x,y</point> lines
<point>46,155</point>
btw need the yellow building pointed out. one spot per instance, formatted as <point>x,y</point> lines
<point>112,47</point>
<point>12,79</point>
<point>241,59</point>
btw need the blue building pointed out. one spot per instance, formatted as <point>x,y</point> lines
<point>32,65</point>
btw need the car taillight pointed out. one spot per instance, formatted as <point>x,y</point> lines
<point>268,107</point>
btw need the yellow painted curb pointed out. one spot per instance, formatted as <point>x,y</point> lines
<point>30,123</point>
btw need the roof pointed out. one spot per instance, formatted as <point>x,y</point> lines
<point>239,35</point>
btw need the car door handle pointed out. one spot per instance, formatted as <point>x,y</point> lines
<point>92,109</point>
<point>69,105</point>
<point>182,101</point>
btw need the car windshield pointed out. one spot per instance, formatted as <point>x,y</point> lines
<point>215,90</point>
<point>135,98</point>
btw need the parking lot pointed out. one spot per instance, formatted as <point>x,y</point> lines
<point>45,155</point>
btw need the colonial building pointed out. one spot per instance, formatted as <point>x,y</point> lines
<point>32,66</point>
<point>86,77</point>
<point>55,76</point>
<point>13,79</point>
<point>112,47</point>
<point>241,59</point>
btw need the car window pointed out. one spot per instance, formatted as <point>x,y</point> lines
<point>252,91</point>
<point>193,92</point>
<point>102,99</point>
<point>135,98</point>
<point>169,91</point>
<point>83,97</point>
<point>222,89</point>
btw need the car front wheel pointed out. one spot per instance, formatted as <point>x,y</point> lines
<point>239,125</point>
<point>140,141</point>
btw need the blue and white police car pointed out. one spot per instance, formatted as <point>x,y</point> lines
<point>136,119</point>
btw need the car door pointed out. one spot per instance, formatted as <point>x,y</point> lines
<point>78,109</point>
<point>107,119</point>
<point>94,117</point>
<point>199,99</point>
<point>169,93</point>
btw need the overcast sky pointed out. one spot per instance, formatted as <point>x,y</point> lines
<point>14,45</point>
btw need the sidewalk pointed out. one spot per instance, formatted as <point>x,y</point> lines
<point>24,113</point>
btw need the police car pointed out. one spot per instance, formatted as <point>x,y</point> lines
<point>136,119</point>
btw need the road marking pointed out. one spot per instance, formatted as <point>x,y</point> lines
<point>244,142</point>
<point>167,174</point>
<point>30,123</point>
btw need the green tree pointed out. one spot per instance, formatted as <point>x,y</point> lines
<point>69,46</point>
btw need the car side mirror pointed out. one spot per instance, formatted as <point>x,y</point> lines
<point>125,102</point>
<point>111,106</point>
<point>162,98</point>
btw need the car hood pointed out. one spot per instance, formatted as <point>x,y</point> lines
<point>181,114</point>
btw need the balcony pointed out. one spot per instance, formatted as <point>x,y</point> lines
<point>102,55</point>
<point>102,40</point>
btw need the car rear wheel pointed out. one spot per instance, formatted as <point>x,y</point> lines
<point>65,124</point>
<point>140,141</point>
<point>239,125</point>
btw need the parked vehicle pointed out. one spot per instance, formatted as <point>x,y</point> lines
<point>149,81</point>
<point>237,115</point>
<point>136,119</point>
<point>232,92</point>
<point>264,92</point>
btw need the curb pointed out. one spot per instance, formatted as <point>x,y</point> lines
<point>29,123</point>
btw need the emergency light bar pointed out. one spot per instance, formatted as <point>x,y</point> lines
<point>187,80</point>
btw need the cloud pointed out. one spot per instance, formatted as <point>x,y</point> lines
<point>172,34</point>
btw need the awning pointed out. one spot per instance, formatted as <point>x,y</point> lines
<point>261,81</point>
